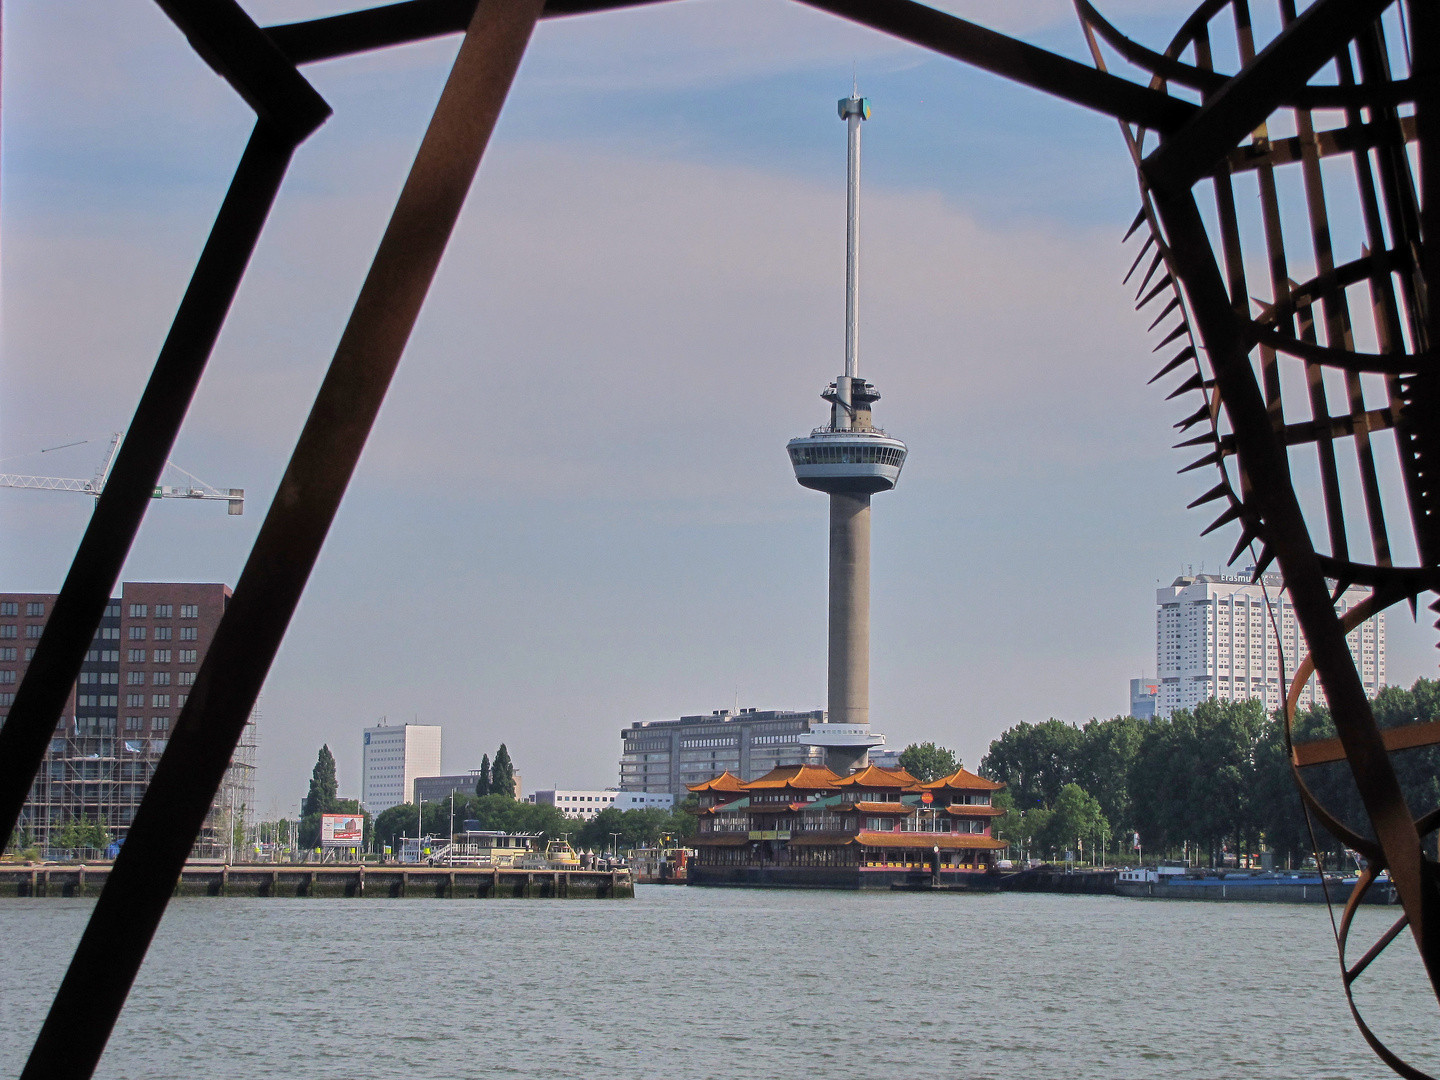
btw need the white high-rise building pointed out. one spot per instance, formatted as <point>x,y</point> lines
<point>1214,638</point>
<point>392,758</point>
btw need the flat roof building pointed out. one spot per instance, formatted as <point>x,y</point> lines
<point>586,804</point>
<point>435,788</point>
<point>1215,637</point>
<point>666,756</point>
<point>392,757</point>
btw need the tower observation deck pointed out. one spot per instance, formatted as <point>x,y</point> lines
<point>850,459</point>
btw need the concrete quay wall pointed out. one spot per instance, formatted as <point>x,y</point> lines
<point>458,883</point>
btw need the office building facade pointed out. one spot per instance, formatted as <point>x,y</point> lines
<point>666,756</point>
<point>1217,637</point>
<point>117,720</point>
<point>1144,698</point>
<point>584,805</point>
<point>392,757</point>
<point>435,788</point>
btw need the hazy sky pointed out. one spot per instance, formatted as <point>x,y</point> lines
<point>576,509</point>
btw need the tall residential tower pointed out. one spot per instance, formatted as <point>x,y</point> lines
<point>850,459</point>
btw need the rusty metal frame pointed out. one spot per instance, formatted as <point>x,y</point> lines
<point>1242,410</point>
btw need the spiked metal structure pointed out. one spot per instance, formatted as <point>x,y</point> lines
<point>1349,80</point>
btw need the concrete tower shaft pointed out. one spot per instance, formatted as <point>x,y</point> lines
<point>849,697</point>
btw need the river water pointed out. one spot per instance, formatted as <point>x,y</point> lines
<point>726,983</point>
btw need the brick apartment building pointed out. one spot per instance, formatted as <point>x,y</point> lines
<point>118,717</point>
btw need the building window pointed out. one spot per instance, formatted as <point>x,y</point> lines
<point>160,678</point>
<point>162,633</point>
<point>187,633</point>
<point>7,630</point>
<point>137,656</point>
<point>35,609</point>
<point>134,701</point>
<point>180,701</point>
<point>164,611</point>
<point>135,678</point>
<point>137,633</point>
<point>34,630</point>
<point>7,676</point>
<point>187,656</point>
<point>139,611</point>
<point>160,723</point>
<point>161,656</point>
<point>134,723</point>
<point>7,699</point>
<point>189,611</point>
<point>106,633</point>
<point>8,653</point>
<point>9,607</point>
<point>187,678</point>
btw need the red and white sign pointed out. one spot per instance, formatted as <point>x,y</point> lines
<point>927,798</point>
<point>342,830</point>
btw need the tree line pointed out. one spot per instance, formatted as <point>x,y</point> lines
<point>1203,783</point>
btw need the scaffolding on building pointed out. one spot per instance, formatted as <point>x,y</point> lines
<point>91,775</point>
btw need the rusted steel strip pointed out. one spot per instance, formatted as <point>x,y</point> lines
<point>240,52</point>
<point>1016,60</point>
<point>1340,427</point>
<point>1353,137</point>
<point>41,696</point>
<point>396,24</point>
<point>1397,363</point>
<point>249,634</point>
<point>1288,538</point>
<point>1295,54</point>
<point>1335,311</point>
<point>1197,76</point>
<point>1321,751</point>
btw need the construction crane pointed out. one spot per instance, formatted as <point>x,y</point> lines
<point>195,489</point>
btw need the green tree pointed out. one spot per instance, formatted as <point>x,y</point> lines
<point>1105,755</point>
<point>482,782</point>
<point>391,823</point>
<point>926,761</point>
<point>1076,817</point>
<point>324,789</point>
<point>502,774</point>
<point>82,832</point>
<point>1034,761</point>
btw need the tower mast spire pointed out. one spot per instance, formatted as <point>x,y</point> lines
<point>849,459</point>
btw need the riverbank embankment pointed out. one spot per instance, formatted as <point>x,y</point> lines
<point>344,880</point>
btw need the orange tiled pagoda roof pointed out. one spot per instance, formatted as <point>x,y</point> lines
<point>884,808</point>
<point>974,811</point>
<point>726,781</point>
<point>962,780</point>
<point>872,776</point>
<point>796,777</point>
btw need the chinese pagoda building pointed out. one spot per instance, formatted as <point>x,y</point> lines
<point>802,825</point>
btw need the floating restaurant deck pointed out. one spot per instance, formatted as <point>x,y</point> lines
<point>448,883</point>
<point>876,828</point>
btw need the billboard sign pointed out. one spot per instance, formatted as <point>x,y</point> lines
<point>342,830</point>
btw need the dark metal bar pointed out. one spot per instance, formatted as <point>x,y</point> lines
<point>250,632</point>
<point>230,42</point>
<point>1017,60</point>
<point>1286,535</point>
<point>41,696</point>
<point>1254,92</point>
<point>396,24</point>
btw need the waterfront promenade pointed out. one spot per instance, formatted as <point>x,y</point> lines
<point>345,880</point>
